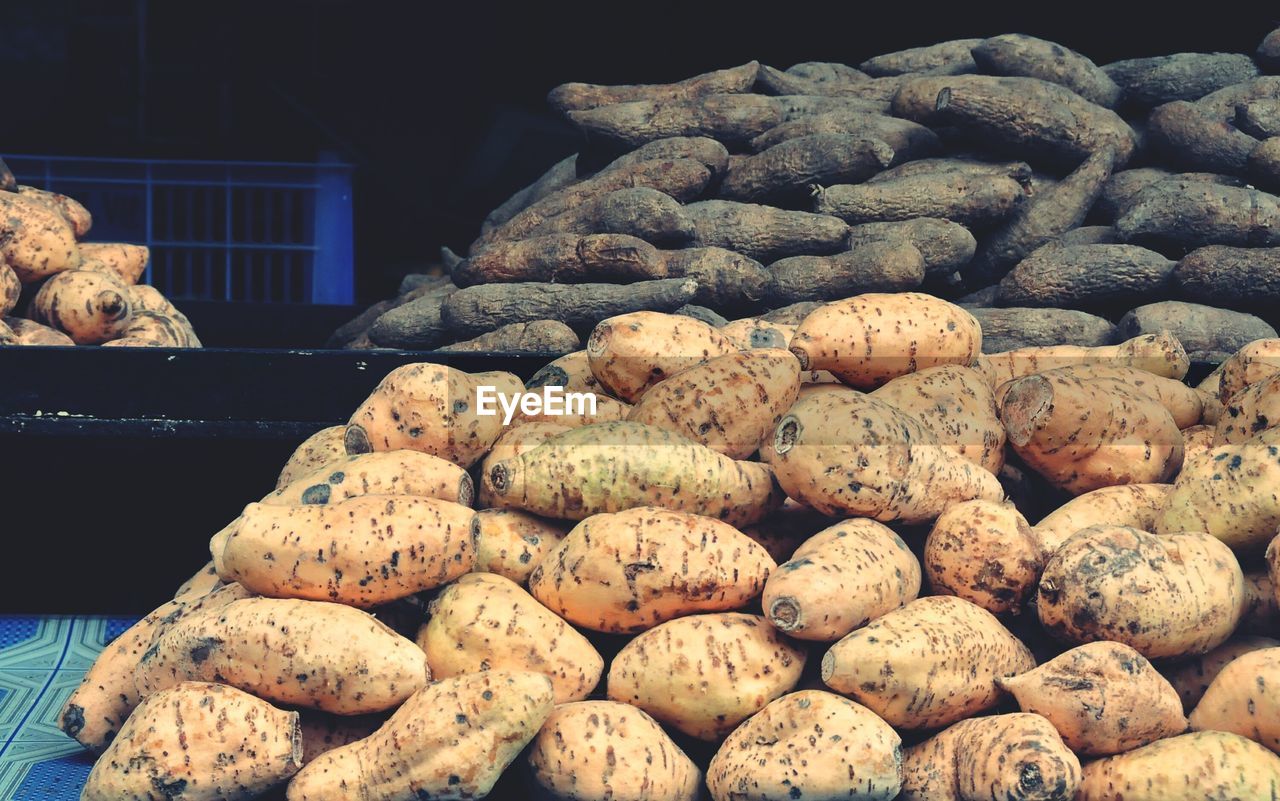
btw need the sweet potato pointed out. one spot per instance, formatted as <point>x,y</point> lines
<point>513,442</point>
<point>647,467</point>
<point>571,371</point>
<point>1191,677</point>
<point>604,749</point>
<point>1208,334</point>
<point>733,119</point>
<point>944,58</point>
<point>705,674</point>
<point>1259,118</point>
<point>1273,568</point>
<point>839,580</point>
<point>907,139</point>
<point>809,744</point>
<point>631,352</point>
<point>730,403</point>
<point>997,758</point>
<point>317,450</point>
<point>512,543</point>
<point>90,307</point>
<point>430,408</point>
<point>1249,412</point>
<point>794,107</point>
<point>1103,698</point>
<point>702,314</point>
<point>322,732</point>
<point>1189,767</point>
<point>199,585</point>
<point>1018,54</point>
<point>1160,354</point>
<point>392,546</point>
<point>985,553</point>
<point>705,150</point>
<point>764,232</point>
<point>126,262</point>
<point>1148,82</point>
<point>629,571</point>
<point>877,266</point>
<point>946,246</point>
<point>787,169</point>
<point>29,332</point>
<point>302,653</point>
<point>1251,364</point>
<point>957,406</point>
<point>1184,404</point>
<point>753,332</point>
<point>38,240</point>
<point>951,195</point>
<point>1176,595</point>
<point>564,258</point>
<point>1086,277</point>
<point>1244,699</point>
<point>1197,441</point>
<point>70,209</point>
<point>452,739</point>
<point>844,453</point>
<point>577,96</point>
<point>1018,327</point>
<point>1185,136</point>
<point>929,664</point>
<point>1263,165</point>
<point>1261,604</point>
<point>535,338</point>
<point>10,289</point>
<point>1180,213</point>
<point>559,175</point>
<point>202,742</point>
<point>1133,505</point>
<point>485,622</point>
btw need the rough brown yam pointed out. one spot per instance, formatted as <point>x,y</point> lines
<point>7,182</point>
<point>641,212</point>
<point>791,314</point>
<point>1208,334</point>
<point>950,195</point>
<point>1259,118</point>
<point>1193,213</point>
<point>945,58</point>
<point>1019,171</point>
<point>765,233</point>
<point>479,309</point>
<point>726,280</point>
<point>824,71</point>
<point>702,314</point>
<point>29,332</point>
<point>362,322</point>
<point>908,140</point>
<point>1016,54</point>
<point>1222,103</point>
<point>1268,55</point>
<point>1089,235</point>
<point>415,325</point>
<point>579,96</point>
<point>794,107</point>
<point>1012,328</point>
<point>414,281</point>
<point>1122,187</point>
<point>1033,118</point>
<point>1233,277</point>
<point>731,119</point>
<point>563,258</point>
<point>540,337</point>
<point>826,79</point>
<point>710,153</point>
<point>946,246</point>
<point>1264,164</point>
<point>1188,138</point>
<point>873,267</point>
<point>789,168</point>
<point>1148,82</point>
<point>1086,277</point>
<point>1040,219</point>
<point>562,174</point>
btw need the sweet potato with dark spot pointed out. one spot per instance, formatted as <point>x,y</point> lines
<point>986,553</point>
<point>789,168</point>
<point>1133,505</point>
<point>126,262</point>
<point>513,442</point>
<point>1017,54</point>
<point>1189,767</point>
<point>632,352</point>
<point>577,96</point>
<point>765,233</point>
<point>37,240</point>
<point>70,209</point>
<point>402,472</point>
<point>876,266</point>
<point>10,289</point>
<point>512,543</point>
<point>1148,82</point>
<point>90,307</point>
<point>957,406</point>
<point>317,450</point>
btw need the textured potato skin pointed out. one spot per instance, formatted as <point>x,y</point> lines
<point>1192,677</point>
<point>734,119</point>
<point>839,579</point>
<point>485,622</point>
<point>513,442</point>
<point>1177,595</point>
<point>29,332</point>
<point>603,749</point>
<point>1019,54</point>
<point>1249,412</point>
<point>1103,698</point>
<point>512,543</point>
<point>317,450</point>
<point>1085,277</point>
<point>632,352</point>
<point>1160,354</point>
<point>197,741</point>
<point>1190,767</point>
<point>962,198</point>
<point>10,289</point>
<point>984,552</point>
<point>929,664</point>
<point>1196,213</point>
<point>808,744</point>
<point>577,96</point>
<point>764,232</point>
<point>364,551</point>
<point>38,241</point>
<point>1244,699</point>
<point>90,307</point>
<point>629,571</point>
<point>705,674</point>
<point>957,405</point>
<point>127,262</point>
<point>449,741</point>
<point>403,472</point>
<point>1133,505</point>
<point>870,339</point>
<point>308,654</point>
<point>1014,757</point>
<point>1251,364</point>
<point>944,58</point>
<point>1273,567</point>
<point>70,209</point>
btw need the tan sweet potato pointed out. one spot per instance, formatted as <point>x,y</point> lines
<point>1251,364</point>
<point>513,442</point>
<point>10,289</point>
<point>929,664</point>
<point>1191,677</point>
<point>512,543</point>
<point>1133,505</point>
<point>956,404</point>
<point>576,96</point>
<point>1160,354</point>
<point>841,579</point>
<point>197,741</point>
<point>70,209</point>
<point>90,307</point>
<point>201,584</point>
<point>317,450</point>
<point>1177,595</point>
<point>1249,412</point>
<point>705,674</point>
<point>402,472</point>
<point>452,739</point>
<point>1019,54</point>
<point>1103,698</point>
<point>303,653</point>
<point>1244,699</point>
<point>38,240</point>
<point>604,749</point>
<point>753,332</point>
<point>951,195</point>
<point>632,352</point>
<point>124,261</point>
<point>29,332</point>
<point>571,371</point>
<point>485,622</point>
<point>809,744</point>
<point>1190,767</point>
<point>985,553</point>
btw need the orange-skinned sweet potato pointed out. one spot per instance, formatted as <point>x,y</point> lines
<point>1189,767</point>
<point>402,472</point>
<point>632,352</point>
<point>512,543</point>
<point>986,553</point>
<point>317,450</point>
<point>1244,699</point>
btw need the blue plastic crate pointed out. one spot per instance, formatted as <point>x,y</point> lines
<point>272,232</point>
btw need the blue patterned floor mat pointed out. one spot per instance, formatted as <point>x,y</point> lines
<point>41,661</point>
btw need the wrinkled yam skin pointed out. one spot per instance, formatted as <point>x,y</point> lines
<point>929,664</point>
<point>365,551</point>
<point>1133,505</point>
<point>308,654</point>
<point>604,749</point>
<point>577,96</point>
<point>316,451</point>
<point>1189,767</point>
<point>945,245</point>
<point>1148,82</point>
<point>630,353</point>
<point>734,119</point>
<point>789,167</point>
<point>876,266</point>
<point>513,442</point>
<point>808,744</point>
<point>402,472</point>
<point>908,140</point>
<point>1244,699</point>
<point>1190,139</point>
<point>969,200</point>
<point>1177,595</point>
<point>1208,333</point>
<point>1195,213</point>
<point>841,579</point>
<point>1192,677</point>
<point>38,240</point>
<point>629,571</point>
<point>1019,54</point>
<point>449,741</point>
<point>1103,698</point>
<point>954,57</point>
<point>566,258</point>
<point>485,622</point>
<point>512,543</point>
<point>1085,277</point>
<point>537,337</point>
<point>198,742</point>
<point>985,553</point>
<point>90,307</point>
<point>705,674</point>
<point>957,405</point>
<point>764,232</point>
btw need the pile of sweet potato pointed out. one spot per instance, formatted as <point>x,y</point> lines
<point>56,289</point>
<point>841,555</point>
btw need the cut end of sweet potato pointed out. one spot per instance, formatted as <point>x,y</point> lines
<point>784,613</point>
<point>1025,404</point>
<point>356,440</point>
<point>828,668</point>
<point>466,491</point>
<point>598,342</point>
<point>500,478</point>
<point>786,435</point>
<point>802,356</point>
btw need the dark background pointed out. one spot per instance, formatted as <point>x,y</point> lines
<point>440,105</point>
